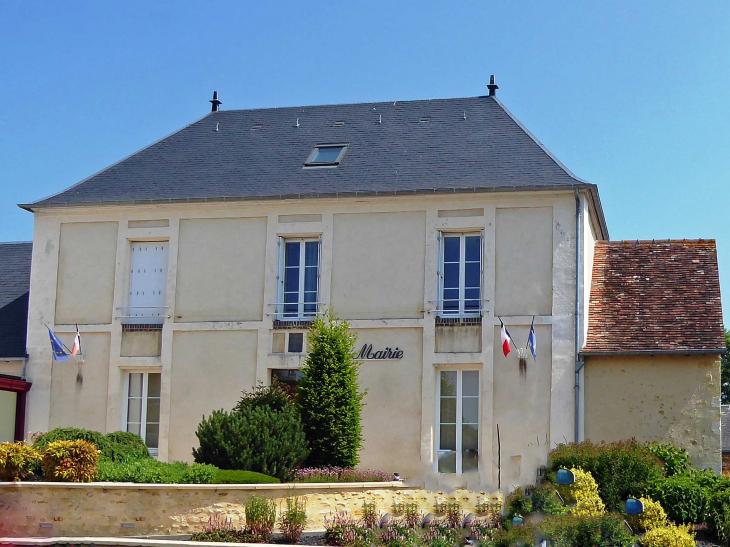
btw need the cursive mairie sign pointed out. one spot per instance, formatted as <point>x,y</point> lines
<point>367,353</point>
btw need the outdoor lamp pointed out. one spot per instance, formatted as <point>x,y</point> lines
<point>634,506</point>
<point>565,477</point>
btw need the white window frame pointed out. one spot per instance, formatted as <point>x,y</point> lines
<point>143,416</point>
<point>462,235</point>
<point>280,304</point>
<point>459,407</point>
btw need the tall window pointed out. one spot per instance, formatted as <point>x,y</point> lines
<point>142,411</point>
<point>460,274</point>
<point>298,279</point>
<point>457,443</point>
<point>147,283</point>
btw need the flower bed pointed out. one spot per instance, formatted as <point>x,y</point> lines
<point>339,474</point>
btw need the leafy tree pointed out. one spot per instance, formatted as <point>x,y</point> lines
<point>725,371</point>
<point>329,397</point>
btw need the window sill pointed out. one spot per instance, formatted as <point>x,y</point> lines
<point>292,324</point>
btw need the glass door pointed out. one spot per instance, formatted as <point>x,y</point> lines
<point>457,431</point>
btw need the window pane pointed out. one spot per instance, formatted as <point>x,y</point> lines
<point>447,463</point>
<point>133,428</point>
<point>470,410</point>
<point>134,410</point>
<point>470,383</point>
<point>469,437</point>
<point>451,300</point>
<point>152,435</point>
<point>451,249</point>
<point>448,410</point>
<point>472,248</point>
<point>326,155</point>
<point>471,274</point>
<point>291,279</point>
<point>153,410</point>
<point>153,384</point>
<point>296,342</point>
<point>292,254</point>
<point>451,276</point>
<point>289,377</point>
<point>135,384</point>
<point>469,460</point>
<point>448,383</point>
<point>448,437</point>
<point>310,279</point>
<point>311,252</point>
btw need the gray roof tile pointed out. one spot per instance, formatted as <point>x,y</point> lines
<point>15,261</point>
<point>222,156</point>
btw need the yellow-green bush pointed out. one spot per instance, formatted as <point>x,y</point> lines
<point>652,517</point>
<point>669,536</point>
<point>584,492</point>
<point>70,461</point>
<point>16,461</point>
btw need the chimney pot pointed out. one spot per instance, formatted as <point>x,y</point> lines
<point>215,102</point>
<point>492,87</point>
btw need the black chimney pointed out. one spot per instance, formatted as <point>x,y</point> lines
<point>216,103</point>
<point>492,87</point>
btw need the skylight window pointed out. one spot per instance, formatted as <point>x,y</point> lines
<point>326,154</point>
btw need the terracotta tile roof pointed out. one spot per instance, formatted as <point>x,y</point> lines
<point>655,297</point>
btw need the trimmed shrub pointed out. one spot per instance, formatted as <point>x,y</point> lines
<point>669,536</point>
<point>17,461</point>
<point>652,517</point>
<point>253,439</point>
<point>621,469</point>
<point>118,446</point>
<point>719,514</point>
<point>329,396</point>
<point>274,396</point>
<point>236,476</point>
<point>585,492</point>
<point>683,498</point>
<point>70,461</point>
<point>546,500</point>
<point>583,531</point>
<point>152,471</point>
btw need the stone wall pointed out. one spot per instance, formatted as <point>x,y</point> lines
<point>120,509</point>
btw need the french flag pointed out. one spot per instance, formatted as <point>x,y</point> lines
<point>505,340</point>
<point>76,348</point>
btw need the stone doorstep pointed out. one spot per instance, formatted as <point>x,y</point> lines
<point>121,542</point>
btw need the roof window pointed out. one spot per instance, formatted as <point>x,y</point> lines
<point>326,154</point>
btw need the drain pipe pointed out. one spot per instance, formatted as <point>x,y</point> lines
<point>578,362</point>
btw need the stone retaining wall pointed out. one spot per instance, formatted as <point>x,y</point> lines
<point>43,509</point>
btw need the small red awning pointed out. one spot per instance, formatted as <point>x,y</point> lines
<point>13,383</point>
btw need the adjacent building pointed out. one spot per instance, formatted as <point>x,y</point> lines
<point>194,267</point>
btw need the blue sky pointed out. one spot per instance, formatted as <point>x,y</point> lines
<point>632,96</point>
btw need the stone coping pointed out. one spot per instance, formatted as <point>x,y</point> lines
<point>121,542</point>
<point>156,486</point>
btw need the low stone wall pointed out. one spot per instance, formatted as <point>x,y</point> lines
<point>44,509</point>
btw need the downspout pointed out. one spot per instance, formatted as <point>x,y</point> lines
<point>578,362</point>
<point>25,364</point>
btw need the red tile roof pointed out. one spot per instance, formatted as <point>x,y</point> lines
<point>655,297</point>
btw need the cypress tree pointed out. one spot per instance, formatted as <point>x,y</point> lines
<point>329,398</point>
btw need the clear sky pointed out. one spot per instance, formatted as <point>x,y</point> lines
<point>633,96</point>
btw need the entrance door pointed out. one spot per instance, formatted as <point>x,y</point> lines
<point>457,431</point>
<point>147,283</point>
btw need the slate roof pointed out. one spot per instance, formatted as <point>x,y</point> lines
<point>725,427</point>
<point>655,297</point>
<point>14,288</point>
<point>400,147</point>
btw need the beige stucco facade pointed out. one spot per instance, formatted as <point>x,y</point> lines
<point>378,269</point>
<point>656,398</point>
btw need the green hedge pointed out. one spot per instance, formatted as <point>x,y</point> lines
<point>235,476</point>
<point>153,471</point>
<point>118,446</point>
<point>684,498</point>
<point>621,469</point>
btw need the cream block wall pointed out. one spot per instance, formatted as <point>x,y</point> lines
<point>378,267</point>
<point>659,398</point>
<point>209,371</point>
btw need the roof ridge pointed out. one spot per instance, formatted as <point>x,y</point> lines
<point>363,103</point>
<point>28,206</point>
<point>537,141</point>
<point>709,241</point>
